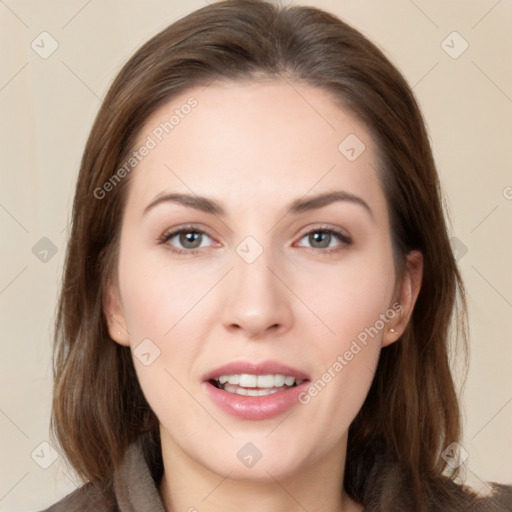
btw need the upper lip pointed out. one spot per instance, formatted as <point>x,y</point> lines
<point>253,368</point>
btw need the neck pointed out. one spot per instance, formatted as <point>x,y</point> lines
<point>188,486</point>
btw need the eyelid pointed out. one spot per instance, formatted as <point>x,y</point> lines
<point>325,227</point>
<point>186,227</point>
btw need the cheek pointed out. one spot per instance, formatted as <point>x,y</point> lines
<point>165,337</point>
<point>354,304</point>
<point>159,297</point>
<point>351,295</point>
<point>346,364</point>
<point>165,318</point>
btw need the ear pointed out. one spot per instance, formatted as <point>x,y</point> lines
<point>114,314</point>
<point>406,295</point>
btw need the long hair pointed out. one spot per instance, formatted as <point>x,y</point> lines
<point>411,413</point>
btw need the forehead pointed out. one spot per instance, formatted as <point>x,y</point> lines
<point>254,141</point>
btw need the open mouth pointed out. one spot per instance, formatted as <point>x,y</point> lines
<point>255,385</point>
<point>255,391</point>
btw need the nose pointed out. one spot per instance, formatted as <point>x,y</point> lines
<point>258,299</point>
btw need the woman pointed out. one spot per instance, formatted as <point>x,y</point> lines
<point>259,282</point>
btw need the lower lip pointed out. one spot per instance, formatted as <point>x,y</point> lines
<point>255,407</point>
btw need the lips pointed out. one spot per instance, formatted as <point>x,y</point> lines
<point>264,368</point>
<point>255,391</point>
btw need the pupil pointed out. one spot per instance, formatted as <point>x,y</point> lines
<point>187,239</point>
<point>322,238</point>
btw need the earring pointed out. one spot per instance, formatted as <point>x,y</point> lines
<point>393,331</point>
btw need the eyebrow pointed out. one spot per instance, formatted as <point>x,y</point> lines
<point>297,206</point>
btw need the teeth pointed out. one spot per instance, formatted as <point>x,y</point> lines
<point>289,381</point>
<point>265,381</point>
<point>279,379</point>
<point>249,392</point>
<point>258,381</point>
<point>233,379</point>
<point>248,381</point>
<point>242,391</point>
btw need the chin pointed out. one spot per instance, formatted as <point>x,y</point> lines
<point>256,457</point>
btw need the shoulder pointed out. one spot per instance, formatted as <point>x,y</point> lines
<point>132,487</point>
<point>390,492</point>
<point>87,498</point>
<point>498,500</point>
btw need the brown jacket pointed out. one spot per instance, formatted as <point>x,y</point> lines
<point>134,490</point>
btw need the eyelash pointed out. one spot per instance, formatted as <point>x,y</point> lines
<point>344,239</point>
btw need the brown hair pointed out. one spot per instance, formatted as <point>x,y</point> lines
<point>411,412</point>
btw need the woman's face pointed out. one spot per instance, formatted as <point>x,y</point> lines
<point>261,286</point>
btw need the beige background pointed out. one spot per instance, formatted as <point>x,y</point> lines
<point>47,107</point>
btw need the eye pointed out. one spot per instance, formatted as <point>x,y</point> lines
<point>327,240</point>
<point>190,239</point>
<point>187,240</point>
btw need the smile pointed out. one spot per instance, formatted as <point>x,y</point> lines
<point>255,391</point>
<point>255,385</point>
